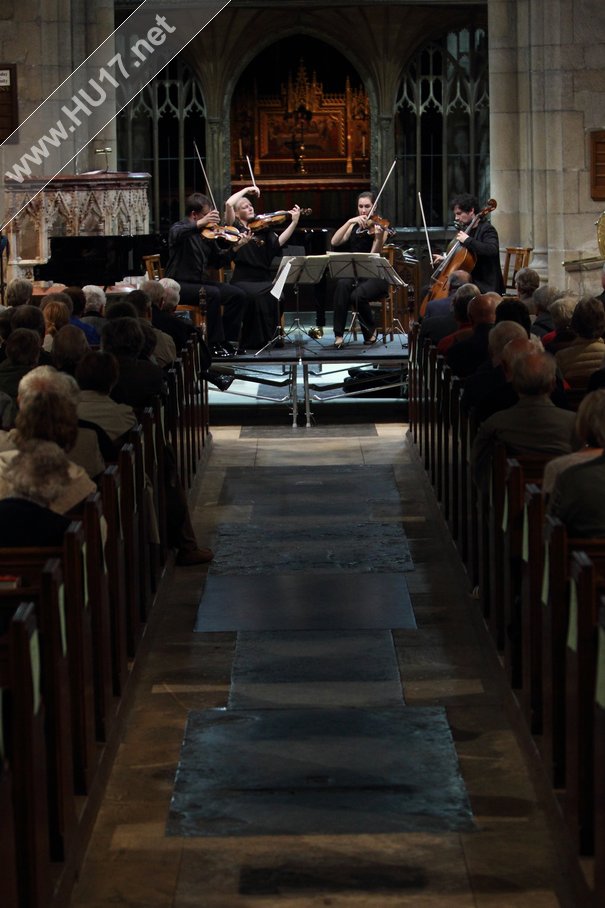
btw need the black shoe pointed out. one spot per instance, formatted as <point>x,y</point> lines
<point>241,351</point>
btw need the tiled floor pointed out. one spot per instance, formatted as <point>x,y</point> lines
<point>515,858</point>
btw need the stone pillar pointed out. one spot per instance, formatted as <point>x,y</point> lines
<point>547,91</point>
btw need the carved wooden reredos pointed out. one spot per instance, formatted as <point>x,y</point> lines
<point>301,131</point>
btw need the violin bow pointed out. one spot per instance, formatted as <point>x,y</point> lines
<point>251,172</point>
<point>426,231</point>
<point>373,208</point>
<point>199,157</point>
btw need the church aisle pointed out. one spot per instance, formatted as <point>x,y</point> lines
<point>512,858</point>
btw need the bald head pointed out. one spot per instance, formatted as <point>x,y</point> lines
<point>518,346</point>
<point>500,335</point>
<point>457,279</point>
<point>482,309</point>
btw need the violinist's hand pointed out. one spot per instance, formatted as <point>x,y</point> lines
<point>295,214</point>
<point>253,190</point>
<point>244,237</point>
<point>213,217</point>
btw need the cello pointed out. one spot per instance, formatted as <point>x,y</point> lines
<point>458,258</point>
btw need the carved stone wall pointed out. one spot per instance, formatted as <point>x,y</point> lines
<point>89,204</point>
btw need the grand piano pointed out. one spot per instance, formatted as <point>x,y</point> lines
<point>103,260</point>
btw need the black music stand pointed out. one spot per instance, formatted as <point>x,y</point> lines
<point>295,270</point>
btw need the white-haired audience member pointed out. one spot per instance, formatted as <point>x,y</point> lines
<point>34,478</point>
<point>94,310</point>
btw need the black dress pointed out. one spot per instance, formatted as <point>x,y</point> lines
<point>254,274</point>
<point>359,293</point>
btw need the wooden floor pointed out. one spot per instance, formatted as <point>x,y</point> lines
<point>518,854</point>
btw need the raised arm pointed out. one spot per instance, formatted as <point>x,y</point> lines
<point>234,199</point>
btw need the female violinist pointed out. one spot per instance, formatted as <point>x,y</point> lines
<point>252,272</point>
<point>358,235</point>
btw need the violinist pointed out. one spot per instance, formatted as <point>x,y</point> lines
<point>482,242</point>
<point>357,235</point>
<point>253,272</point>
<point>190,256</point>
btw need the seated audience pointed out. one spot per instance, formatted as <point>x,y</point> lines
<point>543,323</point>
<point>47,416</point>
<point>437,327</point>
<point>140,381</point>
<point>22,351</point>
<point>91,445</point>
<point>460,304</point>
<point>442,306</point>
<point>511,310</point>
<point>69,347</point>
<point>561,312</point>
<point>56,316</point>
<point>96,374</point>
<point>94,310</point>
<point>483,389</point>
<point>527,282</point>
<point>585,354</point>
<point>590,432</point>
<point>533,424</point>
<point>467,355</point>
<point>34,479</point>
<point>31,317</point>
<point>19,292</point>
<point>78,305</point>
<point>163,351</point>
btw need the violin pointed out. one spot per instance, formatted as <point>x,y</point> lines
<point>273,219</point>
<point>221,232</point>
<point>374,220</point>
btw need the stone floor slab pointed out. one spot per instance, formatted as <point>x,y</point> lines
<point>305,772</point>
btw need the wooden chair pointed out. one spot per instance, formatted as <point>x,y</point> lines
<point>599,762</point>
<point>518,257</point>
<point>153,267</point>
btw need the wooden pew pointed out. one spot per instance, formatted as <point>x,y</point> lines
<point>599,763</point>
<point>143,561</point>
<point>555,616</point>
<point>49,605</point>
<point>532,567</point>
<point>586,586</point>
<point>129,520</point>
<point>8,836</point>
<point>114,559</point>
<point>23,735</point>
<point>524,638</point>
<point>455,474</point>
<point>28,563</point>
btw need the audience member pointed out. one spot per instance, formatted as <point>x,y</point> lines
<point>442,306</point>
<point>482,390</point>
<point>22,349</point>
<point>78,303</point>
<point>56,316</point>
<point>460,304</point>
<point>438,327</point>
<point>91,446</point>
<point>590,432</point>
<point>544,297</point>
<point>514,311</point>
<point>602,295</point>
<point>19,292</point>
<point>47,416</point>
<point>140,381</point>
<point>94,310</point>
<point>164,295</point>
<point>468,354</point>
<point>163,351</point>
<point>584,355</point>
<point>96,374</point>
<point>34,479</point>
<point>533,424</point>
<point>69,347</point>
<point>527,282</point>
<point>561,312</point>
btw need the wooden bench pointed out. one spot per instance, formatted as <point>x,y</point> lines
<point>28,563</point>
<point>49,605</point>
<point>599,763</point>
<point>23,719</point>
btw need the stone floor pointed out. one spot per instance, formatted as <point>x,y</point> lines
<point>516,855</point>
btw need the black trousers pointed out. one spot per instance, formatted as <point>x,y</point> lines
<point>359,293</point>
<point>232,299</point>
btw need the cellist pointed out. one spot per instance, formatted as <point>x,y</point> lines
<point>482,242</point>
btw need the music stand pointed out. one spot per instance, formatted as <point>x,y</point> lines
<point>294,270</point>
